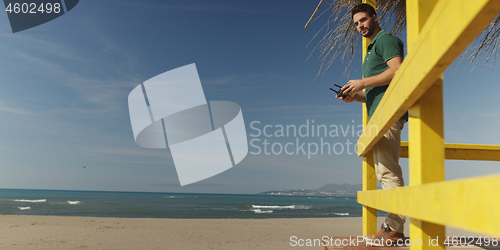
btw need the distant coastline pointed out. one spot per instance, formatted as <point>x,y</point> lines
<point>326,190</point>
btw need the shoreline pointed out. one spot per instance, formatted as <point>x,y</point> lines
<point>73,232</point>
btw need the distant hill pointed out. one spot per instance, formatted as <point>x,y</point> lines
<point>326,190</point>
<point>340,188</point>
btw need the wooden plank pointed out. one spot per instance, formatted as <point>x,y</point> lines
<point>469,204</point>
<point>454,151</point>
<point>369,183</point>
<point>426,132</point>
<point>369,215</point>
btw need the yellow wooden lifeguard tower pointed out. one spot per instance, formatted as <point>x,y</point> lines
<point>437,32</point>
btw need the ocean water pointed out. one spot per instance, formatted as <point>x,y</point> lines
<point>173,205</point>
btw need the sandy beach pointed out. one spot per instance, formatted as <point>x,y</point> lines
<point>54,232</point>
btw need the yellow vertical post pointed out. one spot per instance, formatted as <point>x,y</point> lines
<point>369,183</point>
<point>369,178</point>
<point>426,149</point>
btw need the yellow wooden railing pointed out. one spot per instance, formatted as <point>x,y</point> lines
<point>437,32</point>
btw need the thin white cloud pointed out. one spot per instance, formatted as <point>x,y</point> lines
<point>106,94</point>
<point>244,82</point>
<point>4,107</point>
<point>238,79</point>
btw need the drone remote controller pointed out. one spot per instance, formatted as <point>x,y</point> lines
<point>340,92</point>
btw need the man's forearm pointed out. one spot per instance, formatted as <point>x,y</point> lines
<point>359,97</point>
<point>381,79</point>
<point>385,77</point>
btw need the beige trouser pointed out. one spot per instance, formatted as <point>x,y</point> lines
<point>386,159</point>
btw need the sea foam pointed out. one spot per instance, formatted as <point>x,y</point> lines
<point>74,202</point>
<point>281,207</point>
<point>258,211</point>
<point>24,208</point>
<point>32,201</point>
<point>273,207</point>
<point>342,214</point>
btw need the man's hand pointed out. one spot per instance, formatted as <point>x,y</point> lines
<point>359,97</point>
<point>353,86</point>
<point>346,99</point>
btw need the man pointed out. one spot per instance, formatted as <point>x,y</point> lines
<point>384,56</point>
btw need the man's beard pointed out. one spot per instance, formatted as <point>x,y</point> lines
<point>369,32</point>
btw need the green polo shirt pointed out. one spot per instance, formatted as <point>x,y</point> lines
<point>384,47</point>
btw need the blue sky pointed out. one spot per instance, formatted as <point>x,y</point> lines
<point>63,103</point>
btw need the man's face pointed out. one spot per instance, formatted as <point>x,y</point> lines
<point>364,23</point>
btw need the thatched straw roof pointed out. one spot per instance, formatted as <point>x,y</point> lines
<point>339,38</point>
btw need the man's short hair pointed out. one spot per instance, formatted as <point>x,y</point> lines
<point>368,9</point>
